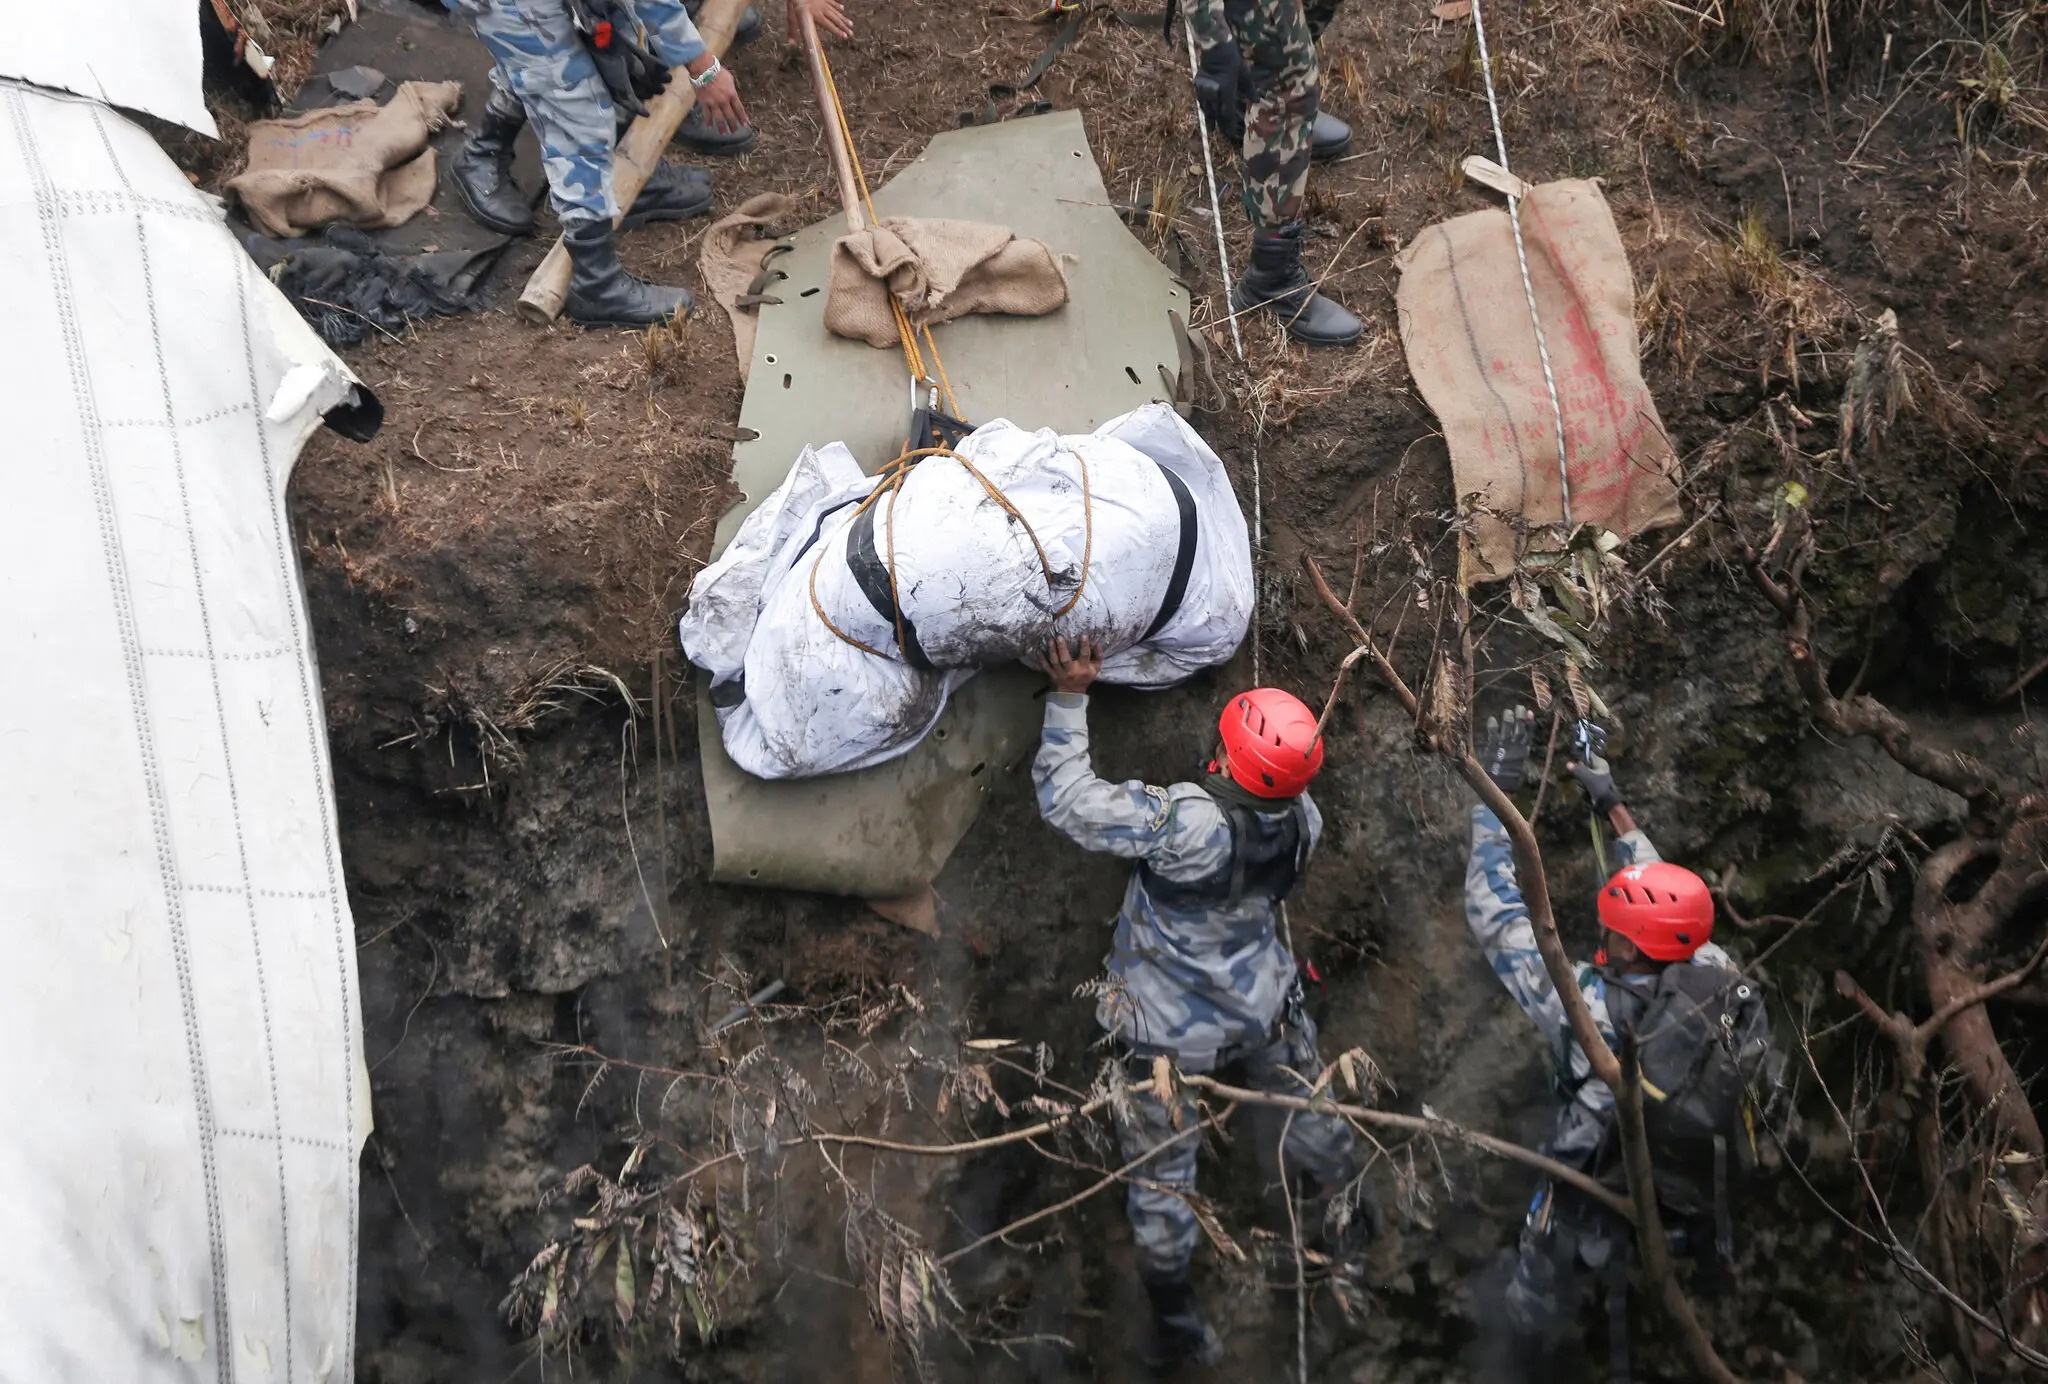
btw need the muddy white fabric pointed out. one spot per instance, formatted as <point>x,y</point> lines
<point>938,270</point>
<point>142,54</point>
<point>363,164</point>
<point>1465,327</point>
<point>185,1093</point>
<point>1168,584</point>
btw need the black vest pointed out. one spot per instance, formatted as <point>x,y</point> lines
<point>1267,852</point>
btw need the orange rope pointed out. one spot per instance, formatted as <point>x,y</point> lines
<point>912,357</point>
<point>892,476</point>
<point>890,482</point>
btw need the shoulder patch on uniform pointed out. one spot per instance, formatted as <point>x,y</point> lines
<point>1159,808</point>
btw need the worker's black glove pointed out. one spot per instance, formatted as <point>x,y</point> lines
<point>1504,751</point>
<point>1591,771</point>
<point>1219,91</point>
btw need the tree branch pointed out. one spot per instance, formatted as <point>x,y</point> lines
<point>1990,989</point>
<point>1863,714</point>
<point>1530,872</point>
<point>1417,1124</point>
<point>1655,1248</point>
<point>1535,884</point>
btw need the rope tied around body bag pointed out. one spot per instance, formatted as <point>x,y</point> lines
<point>890,483</point>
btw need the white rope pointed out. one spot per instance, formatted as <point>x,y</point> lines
<point>1258,548</point>
<point>1236,340</point>
<point>1500,144</point>
<point>1215,203</point>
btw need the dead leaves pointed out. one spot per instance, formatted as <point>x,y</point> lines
<point>565,1290</point>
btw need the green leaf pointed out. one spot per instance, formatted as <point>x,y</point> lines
<point>551,1302</point>
<point>700,1310</point>
<point>625,1288</point>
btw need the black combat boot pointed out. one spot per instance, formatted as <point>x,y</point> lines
<point>673,193</point>
<point>1180,1333</point>
<point>1276,281</point>
<point>483,170</point>
<point>601,291</point>
<point>697,133</point>
<point>1328,138</point>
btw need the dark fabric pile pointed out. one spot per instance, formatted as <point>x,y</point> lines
<point>346,286</point>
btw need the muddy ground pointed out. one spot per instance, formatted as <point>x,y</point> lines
<point>492,578</point>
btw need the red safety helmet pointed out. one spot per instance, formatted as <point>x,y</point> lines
<point>1270,740</point>
<point>1664,909</point>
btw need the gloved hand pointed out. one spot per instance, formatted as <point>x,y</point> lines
<point>1591,770</point>
<point>1504,750</point>
<point>1219,91</point>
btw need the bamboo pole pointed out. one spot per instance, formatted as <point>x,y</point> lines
<point>635,159</point>
<point>828,111</point>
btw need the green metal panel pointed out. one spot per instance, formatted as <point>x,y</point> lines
<point>887,831</point>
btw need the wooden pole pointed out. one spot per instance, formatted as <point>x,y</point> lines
<point>835,140</point>
<point>638,154</point>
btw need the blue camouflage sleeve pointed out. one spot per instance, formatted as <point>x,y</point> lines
<point>671,36</point>
<point>1634,848</point>
<point>1210,22</point>
<point>1499,920</point>
<point>1132,819</point>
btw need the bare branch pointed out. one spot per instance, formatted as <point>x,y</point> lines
<point>1534,880</point>
<point>1990,989</point>
<point>1417,1124</point>
<point>1863,714</point>
<point>1650,1239</point>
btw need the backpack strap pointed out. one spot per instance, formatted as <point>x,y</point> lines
<point>1562,1079</point>
<point>1724,1223</point>
<point>1233,816</point>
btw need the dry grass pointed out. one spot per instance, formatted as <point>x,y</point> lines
<point>1799,308</point>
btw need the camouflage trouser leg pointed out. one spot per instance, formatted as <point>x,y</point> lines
<point>542,64</point>
<point>1162,1223</point>
<point>1560,1257</point>
<point>1320,1145</point>
<point>1280,62</point>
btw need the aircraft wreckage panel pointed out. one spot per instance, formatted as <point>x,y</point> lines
<point>885,832</point>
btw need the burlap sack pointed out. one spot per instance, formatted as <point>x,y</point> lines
<point>732,256</point>
<point>1465,327</point>
<point>940,270</point>
<point>362,164</point>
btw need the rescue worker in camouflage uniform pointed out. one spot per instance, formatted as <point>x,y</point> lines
<point>1198,973</point>
<point>546,71</point>
<point>1653,914</point>
<point>1257,84</point>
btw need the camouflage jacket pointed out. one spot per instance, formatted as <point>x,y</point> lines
<point>544,31</point>
<point>1500,921</point>
<point>1194,982</point>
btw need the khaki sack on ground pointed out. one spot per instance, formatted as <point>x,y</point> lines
<point>939,270</point>
<point>1465,327</point>
<point>734,252</point>
<point>362,164</point>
